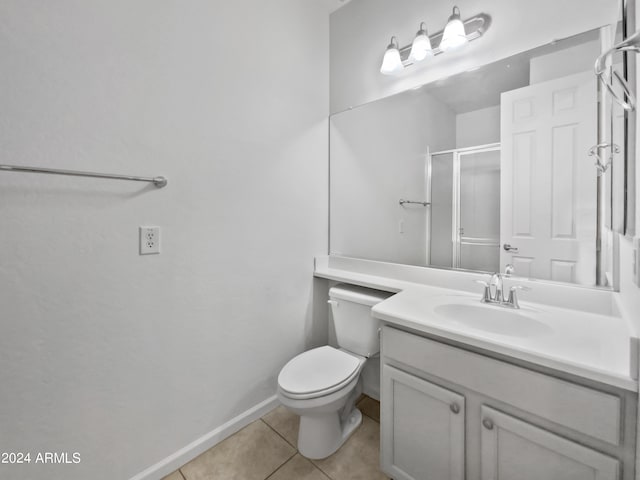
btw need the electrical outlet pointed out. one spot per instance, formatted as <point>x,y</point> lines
<point>149,240</point>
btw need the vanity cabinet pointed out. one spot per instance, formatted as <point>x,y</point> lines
<point>448,413</point>
<point>514,449</point>
<point>424,429</point>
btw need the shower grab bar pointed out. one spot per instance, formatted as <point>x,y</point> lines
<point>627,99</point>
<point>157,181</point>
<point>424,204</point>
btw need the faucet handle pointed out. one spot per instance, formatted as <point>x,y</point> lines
<point>512,301</point>
<point>486,296</point>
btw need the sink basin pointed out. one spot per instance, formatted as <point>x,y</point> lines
<point>492,319</point>
<point>591,345</point>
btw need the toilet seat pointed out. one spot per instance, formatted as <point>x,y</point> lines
<point>318,372</point>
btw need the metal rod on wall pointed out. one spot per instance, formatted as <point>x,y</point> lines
<point>157,181</point>
<point>424,204</point>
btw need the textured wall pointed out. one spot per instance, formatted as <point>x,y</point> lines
<point>378,156</point>
<point>125,358</point>
<point>478,127</point>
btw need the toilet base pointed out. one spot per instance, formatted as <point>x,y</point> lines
<point>321,435</point>
<point>326,422</point>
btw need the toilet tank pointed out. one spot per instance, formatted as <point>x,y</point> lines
<point>356,329</point>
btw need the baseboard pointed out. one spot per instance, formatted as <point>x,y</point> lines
<point>373,393</point>
<point>176,460</point>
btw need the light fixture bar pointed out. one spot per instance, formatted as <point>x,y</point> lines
<point>476,26</point>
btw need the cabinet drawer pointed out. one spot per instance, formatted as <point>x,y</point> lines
<point>579,408</point>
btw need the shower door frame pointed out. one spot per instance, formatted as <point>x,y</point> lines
<point>456,237</point>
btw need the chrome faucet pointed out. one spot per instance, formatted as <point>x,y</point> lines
<point>494,290</point>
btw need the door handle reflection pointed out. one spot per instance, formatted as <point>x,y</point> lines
<point>509,248</point>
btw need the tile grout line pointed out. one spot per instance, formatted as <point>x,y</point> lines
<point>323,472</point>
<point>296,453</point>
<point>281,436</point>
<point>319,469</point>
<point>308,459</point>
<point>287,442</point>
<point>283,464</point>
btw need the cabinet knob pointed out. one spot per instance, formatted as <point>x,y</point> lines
<point>488,424</point>
<point>455,408</point>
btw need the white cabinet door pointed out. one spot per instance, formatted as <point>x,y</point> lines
<point>512,449</point>
<point>548,204</point>
<point>422,429</point>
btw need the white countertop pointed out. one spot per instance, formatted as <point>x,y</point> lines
<point>588,345</point>
<point>593,346</point>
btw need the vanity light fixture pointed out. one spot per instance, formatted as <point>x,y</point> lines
<point>456,34</point>
<point>421,47</point>
<point>392,63</point>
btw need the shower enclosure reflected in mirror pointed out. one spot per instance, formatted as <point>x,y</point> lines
<point>464,218</point>
<point>493,161</point>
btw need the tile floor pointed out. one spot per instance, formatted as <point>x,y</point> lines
<point>266,449</point>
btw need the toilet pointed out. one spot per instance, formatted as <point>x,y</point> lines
<point>323,384</point>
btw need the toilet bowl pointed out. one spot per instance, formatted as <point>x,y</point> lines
<point>322,385</point>
<point>323,397</point>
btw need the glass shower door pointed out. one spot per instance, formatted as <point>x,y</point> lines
<point>477,246</point>
<point>441,210</point>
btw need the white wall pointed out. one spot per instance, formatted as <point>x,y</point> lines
<point>378,154</point>
<point>125,358</point>
<point>478,127</point>
<point>361,30</point>
<point>629,296</point>
<point>562,63</point>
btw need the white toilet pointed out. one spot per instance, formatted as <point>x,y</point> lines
<point>322,385</point>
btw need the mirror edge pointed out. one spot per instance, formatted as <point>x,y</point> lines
<point>630,73</point>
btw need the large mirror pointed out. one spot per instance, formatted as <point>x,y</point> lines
<point>483,169</point>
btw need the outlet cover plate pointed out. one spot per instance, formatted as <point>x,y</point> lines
<point>149,240</point>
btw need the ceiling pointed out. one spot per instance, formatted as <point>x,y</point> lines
<point>481,88</point>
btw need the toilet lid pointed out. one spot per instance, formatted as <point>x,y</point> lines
<point>317,370</point>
